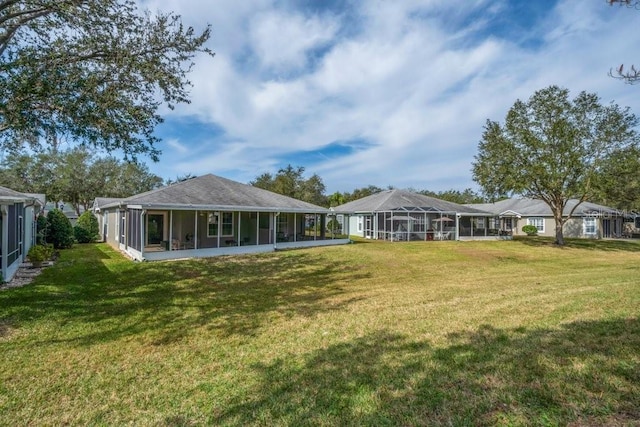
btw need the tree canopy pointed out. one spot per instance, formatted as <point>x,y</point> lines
<point>290,182</point>
<point>553,148</point>
<point>75,176</point>
<point>94,71</point>
<point>461,197</point>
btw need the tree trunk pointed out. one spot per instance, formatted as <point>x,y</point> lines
<point>557,216</point>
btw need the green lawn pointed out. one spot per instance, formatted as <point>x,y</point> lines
<point>374,333</point>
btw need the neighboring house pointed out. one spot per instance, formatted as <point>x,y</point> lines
<point>17,228</point>
<point>67,209</point>
<point>589,220</point>
<point>404,215</point>
<point>208,216</point>
<point>98,204</point>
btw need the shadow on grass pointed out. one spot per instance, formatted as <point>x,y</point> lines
<point>163,302</point>
<point>626,245</point>
<point>586,373</point>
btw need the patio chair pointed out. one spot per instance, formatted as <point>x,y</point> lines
<point>175,245</point>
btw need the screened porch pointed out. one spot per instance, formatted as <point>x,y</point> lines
<point>165,234</point>
<point>410,224</point>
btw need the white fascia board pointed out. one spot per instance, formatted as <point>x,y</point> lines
<point>182,207</point>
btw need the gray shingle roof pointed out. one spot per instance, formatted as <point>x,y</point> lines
<point>534,207</point>
<point>214,192</point>
<point>397,199</point>
<point>100,202</point>
<point>7,192</point>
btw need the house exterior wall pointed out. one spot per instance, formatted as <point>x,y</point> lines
<point>573,228</point>
<point>110,217</point>
<point>354,228</point>
<point>29,228</point>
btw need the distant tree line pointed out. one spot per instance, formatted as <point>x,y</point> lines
<point>75,176</point>
<point>290,181</point>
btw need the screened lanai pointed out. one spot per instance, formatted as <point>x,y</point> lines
<point>401,215</point>
<point>211,215</point>
<point>410,223</point>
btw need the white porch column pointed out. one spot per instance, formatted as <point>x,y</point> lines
<point>239,236</point>
<point>142,215</point>
<point>195,232</point>
<point>274,229</point>
<point>5,239</point>
<point>171,230</point>
<point>257,228</point>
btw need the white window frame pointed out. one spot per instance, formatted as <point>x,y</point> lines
<point>537,222</point>
<point>360,224</point>
<point>219,222</point>
<point>585,226</point>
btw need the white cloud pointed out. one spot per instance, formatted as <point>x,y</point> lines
<point>415,79</point>
<point>282,40</point>
<point>176,145</point>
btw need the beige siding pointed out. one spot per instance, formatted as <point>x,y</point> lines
<point>572,228</point>
<point>111,218</point>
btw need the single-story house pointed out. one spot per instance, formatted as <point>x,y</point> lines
<point>589,220</point>
<point>401,215</point>
<point>210,215</point>
<point>17,228</point>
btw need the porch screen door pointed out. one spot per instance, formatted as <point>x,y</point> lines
<point>155,227</point>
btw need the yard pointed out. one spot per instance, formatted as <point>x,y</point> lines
<point>374,333</point>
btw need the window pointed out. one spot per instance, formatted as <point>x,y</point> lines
<point>360,224</point>
<point>226,219</point>
<point>479,223</point>
<point>537,223</point>
<point>589,225</point>
<point>282,224</point>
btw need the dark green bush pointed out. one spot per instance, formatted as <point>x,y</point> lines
<point>60,230</point>
<point>531,230</point>
<point>82,235</point>
<point>87,229</point>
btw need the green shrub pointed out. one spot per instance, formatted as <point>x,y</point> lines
<point>39,253</point>
<point>87,229</point>
<point>60,230</point>
<point>531,230</point>
<point>82,235</point>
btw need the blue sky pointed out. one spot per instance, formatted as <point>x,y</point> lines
<point>379,92</point>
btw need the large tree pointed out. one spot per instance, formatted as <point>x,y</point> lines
<point>619,183</point>
<point>94,71</point>
<point>552,148</point>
